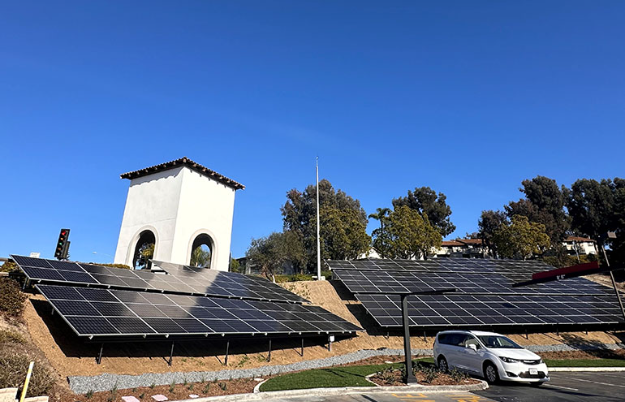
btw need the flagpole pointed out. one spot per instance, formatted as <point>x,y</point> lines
<point>318,241</point>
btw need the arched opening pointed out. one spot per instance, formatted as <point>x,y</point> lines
<point>202,251</point>
<point>144,250</point>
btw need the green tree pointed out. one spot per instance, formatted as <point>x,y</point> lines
<point>343,223</point>
<point>146,253</point>
<point>380,235</point>
<point>235,266</point>
<point>544,203</point>
<point>410,235</point>
<point>200,257</point>
<point>427,202</point>
<point>489,222</point>
<point>271,253</point>
<point>520,238</point>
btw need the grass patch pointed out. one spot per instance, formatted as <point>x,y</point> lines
<point>585,363</point>
<point>349,376</point>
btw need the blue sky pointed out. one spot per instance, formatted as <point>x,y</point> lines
<point>469,98</point>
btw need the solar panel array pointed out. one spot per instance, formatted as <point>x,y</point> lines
<point>106,312</point>
<point>180,279</point>
<point>104,302</point>
<point>484,294</point>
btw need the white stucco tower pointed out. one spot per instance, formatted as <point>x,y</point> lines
<point>177,206</point>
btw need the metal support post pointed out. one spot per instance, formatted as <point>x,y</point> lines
<point>527,336</point>
<point>227,348</point>
<point>171,354</point>
<point>410,378</point>
<point>330,340</point>
<point>302,347</point>
<point>269,355</point>
<point>557,330</point>
<point>425,338</point>
<point>99,358</point>
<point>618,294</point>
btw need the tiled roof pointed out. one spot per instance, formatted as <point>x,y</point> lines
<point>473,242</point>
<point>184,161</point>
<point>451,243</point>
<point>577,238</point>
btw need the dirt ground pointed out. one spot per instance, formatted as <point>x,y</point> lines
<point>70,356</point>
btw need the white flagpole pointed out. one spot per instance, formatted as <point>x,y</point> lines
<point>318,241</point>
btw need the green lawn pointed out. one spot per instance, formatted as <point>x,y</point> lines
<point>350,376</point>
<point>585,363</point>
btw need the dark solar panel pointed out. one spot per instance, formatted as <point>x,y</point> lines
<point>484,297</point>
<point>177,279</point>
<point>104,312</point>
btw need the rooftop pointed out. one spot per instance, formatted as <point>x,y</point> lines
<point>184,161</point>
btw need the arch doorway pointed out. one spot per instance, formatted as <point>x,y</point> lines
<point>144,250</point>
<point>202,251</point>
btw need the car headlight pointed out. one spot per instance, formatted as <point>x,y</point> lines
<point>540,361</point>
<point>508,360</point>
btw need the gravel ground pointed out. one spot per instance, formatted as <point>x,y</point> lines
<point>106,382</point>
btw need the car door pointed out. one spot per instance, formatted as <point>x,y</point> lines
<point>472,359</point>
<point>456,351</point>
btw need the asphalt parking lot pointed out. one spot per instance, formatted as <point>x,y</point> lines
<point>564,386</point>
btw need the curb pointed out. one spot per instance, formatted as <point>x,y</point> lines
<point>569,369</point>
<point>340,391</point>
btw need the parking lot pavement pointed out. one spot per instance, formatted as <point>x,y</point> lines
<point>564,386</point>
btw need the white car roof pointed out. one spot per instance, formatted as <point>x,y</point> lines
<point>464,331</point>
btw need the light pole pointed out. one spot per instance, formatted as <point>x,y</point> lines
<point>612,235</point>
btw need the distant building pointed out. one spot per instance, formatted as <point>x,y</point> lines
<point>177,206</point>
<point>583,245</point>
<point>461,248</point>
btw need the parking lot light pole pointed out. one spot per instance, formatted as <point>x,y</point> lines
<point>409,378</point>
<point>612,235</point>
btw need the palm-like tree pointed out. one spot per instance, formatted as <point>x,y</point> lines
<point>381,215</point>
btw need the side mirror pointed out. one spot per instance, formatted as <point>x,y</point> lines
<point>472,346</point>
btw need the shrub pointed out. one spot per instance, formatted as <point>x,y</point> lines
<point>8,266</point>
<point>122,266</point>
<point>11,298</point>
<point>14,362</point>
<point>11,337</point>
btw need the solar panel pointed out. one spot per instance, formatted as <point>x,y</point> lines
<point>177,279</point>
<point>451,310</point>
<point>98,312</point>
<point>484,297</point>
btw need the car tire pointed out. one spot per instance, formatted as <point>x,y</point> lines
<point>442,364</point>
<point>490,373</point>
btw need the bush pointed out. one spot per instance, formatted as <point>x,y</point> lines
<point>11,298</point>
<point>11,337</point>
<point>14,362</point>
<point>8,266</point>
<point>122,266</point>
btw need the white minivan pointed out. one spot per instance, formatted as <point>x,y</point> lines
<point>490,355</point>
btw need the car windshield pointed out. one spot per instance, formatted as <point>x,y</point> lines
<point>498,341</point>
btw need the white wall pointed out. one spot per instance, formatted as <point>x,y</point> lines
<point>177,205</point>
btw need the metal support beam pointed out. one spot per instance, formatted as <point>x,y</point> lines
<point>527,336</point>
<point>302,347</point>
<point>425,338</point>
<point>269,355</point>
<point>171,354</point>
<point>330,340</point>
<point>99,358</point>
<point>227,348</point>
<point>410,378</point>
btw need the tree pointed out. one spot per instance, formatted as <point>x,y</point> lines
<point>271,253</point>
<point>489,222</point>
<point>544,203</point>
<point>427,202</point>
<point>343,223</point>
<point>520,238</point>
<point>410,235</point>
<point>146,252</point>
<point>235,266</point>
<point>380,235</point>
<point>200,257</point>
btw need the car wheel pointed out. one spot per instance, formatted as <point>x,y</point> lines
<point>442,364</point>
<point>490,373</point>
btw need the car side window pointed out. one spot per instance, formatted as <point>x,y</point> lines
<point>471,341</point>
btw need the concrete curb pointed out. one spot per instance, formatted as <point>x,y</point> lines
<point>340,391</point>
<point>563,369</point>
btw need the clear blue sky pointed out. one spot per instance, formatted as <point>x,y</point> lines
<point>467,97</point>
